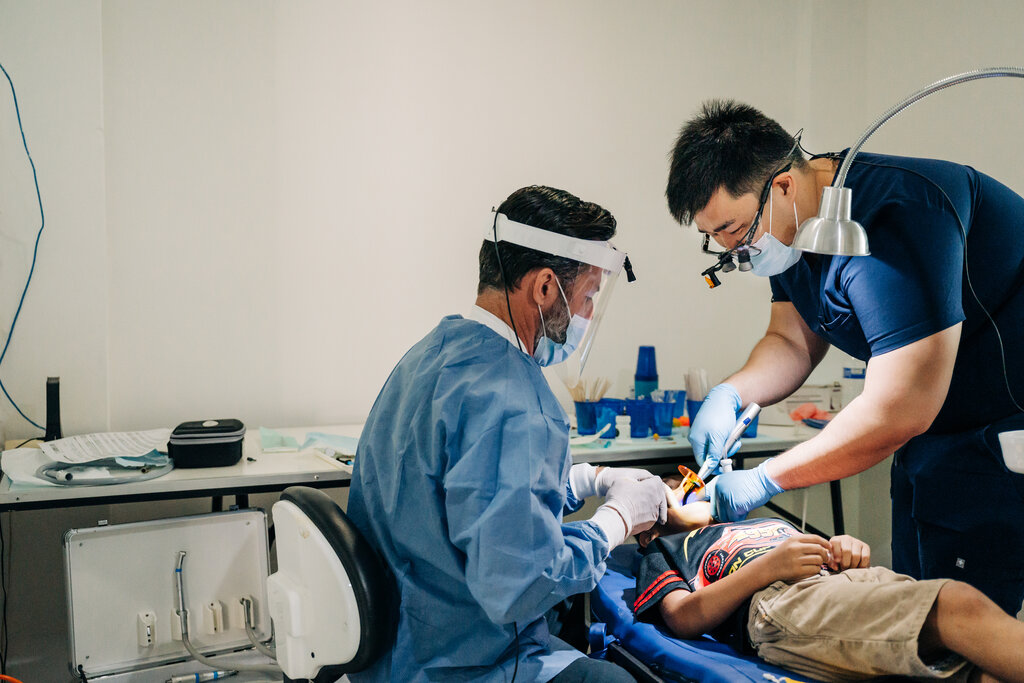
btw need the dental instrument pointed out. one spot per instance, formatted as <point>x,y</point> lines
<point>201,676</point>
<point>744,420</point>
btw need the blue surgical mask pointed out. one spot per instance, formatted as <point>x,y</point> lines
<point>772,256</point>
<point>549,352</point>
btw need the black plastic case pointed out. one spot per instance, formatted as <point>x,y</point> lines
<point>206,443</point>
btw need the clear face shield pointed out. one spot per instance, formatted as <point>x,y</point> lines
<point>585,299</point>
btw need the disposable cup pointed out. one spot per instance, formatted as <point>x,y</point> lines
<point>641,413</point>
<point>662,422</point>
<point>586,417</point>
<point>692,407</point>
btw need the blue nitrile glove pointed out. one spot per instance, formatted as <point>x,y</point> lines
<point>734,494</point>
<point>715,419</point>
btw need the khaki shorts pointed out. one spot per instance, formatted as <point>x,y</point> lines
<point>848,626</point>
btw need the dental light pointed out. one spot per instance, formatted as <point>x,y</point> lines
<point>833,231</point>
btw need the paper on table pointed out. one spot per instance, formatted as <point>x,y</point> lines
<point>89,447</point>
<point>337,443</point>
<point>274,442</point>
<point>21,465</point>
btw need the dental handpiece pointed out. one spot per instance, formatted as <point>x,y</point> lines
<point>742,422</point>
<point>201,676</point>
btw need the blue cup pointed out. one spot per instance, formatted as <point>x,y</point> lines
<point>662,423</point>
<point>586,417</point>
<point>751,431</point>
<point>616,404</point>
<point>646,377</point>
<point>692,407</point>
<point>606,421</point>
<point>679,396</point>
<point>641,413</point>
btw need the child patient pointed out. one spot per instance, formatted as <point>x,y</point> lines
<point>816,606</point>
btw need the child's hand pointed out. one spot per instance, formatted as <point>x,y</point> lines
<point>798,557</point>
<point>849,553</point>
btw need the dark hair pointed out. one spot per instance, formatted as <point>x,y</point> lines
<point>728,145</point>
<point>549,209</point>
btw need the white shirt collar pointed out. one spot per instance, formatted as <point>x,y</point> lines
<point>488,319</point>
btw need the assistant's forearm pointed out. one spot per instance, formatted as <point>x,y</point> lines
<point>903,392</point>
<point>775,369</point>
<point>860,436</point>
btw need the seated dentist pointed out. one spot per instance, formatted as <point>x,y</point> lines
<point>463,471</point>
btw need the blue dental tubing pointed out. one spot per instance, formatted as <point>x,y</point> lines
<point>35,250</point>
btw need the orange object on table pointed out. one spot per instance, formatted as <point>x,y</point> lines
<point>809,411</point>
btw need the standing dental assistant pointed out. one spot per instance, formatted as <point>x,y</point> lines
<point>936,310</point>
<point>463,468</point>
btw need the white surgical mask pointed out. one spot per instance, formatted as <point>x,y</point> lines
<point>774,257</point>
<point>549,352</point>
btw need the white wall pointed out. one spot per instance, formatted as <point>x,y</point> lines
<point>253,207</point>
<point>295,191</point>
<point>53,54</point>
<point>313,198</point>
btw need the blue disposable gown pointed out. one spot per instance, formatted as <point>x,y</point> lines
<point>460,481</point>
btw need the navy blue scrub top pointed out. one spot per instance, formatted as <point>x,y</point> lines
<point>913,284</point>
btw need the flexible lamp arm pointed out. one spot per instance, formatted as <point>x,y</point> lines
<point>947,82</point>
<point>833,231</point>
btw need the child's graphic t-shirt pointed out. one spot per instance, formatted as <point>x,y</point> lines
<point>690,561</point>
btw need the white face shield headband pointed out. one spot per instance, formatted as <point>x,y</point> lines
<point>600,265</point>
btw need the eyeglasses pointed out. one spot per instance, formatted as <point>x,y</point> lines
<point>742,250</point>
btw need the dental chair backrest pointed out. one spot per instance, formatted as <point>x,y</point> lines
<point>333,600</point>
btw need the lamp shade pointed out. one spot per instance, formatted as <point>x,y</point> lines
<point>833,231</point>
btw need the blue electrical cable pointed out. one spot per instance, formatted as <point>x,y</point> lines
<point>35,250</point>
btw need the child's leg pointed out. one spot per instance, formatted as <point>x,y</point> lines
<point>965,621</point>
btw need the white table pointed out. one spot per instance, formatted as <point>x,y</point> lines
<point>259,472</point>
<point>256,472</point>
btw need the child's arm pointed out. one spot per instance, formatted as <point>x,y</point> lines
<point>680,518</point>
<point>689,615</point>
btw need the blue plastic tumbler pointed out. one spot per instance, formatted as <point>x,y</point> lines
<point>663,417</point>
<point>641,412</point>
<point>679,396</point>
<point>692,407</point>
<point>606,421</point>
<point>586,417</point>
<point>618,405</point>
<point>646,378</point>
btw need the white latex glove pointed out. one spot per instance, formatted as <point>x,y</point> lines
<point>583,480</point>
<point>609,475</point>
<point>640,504</point>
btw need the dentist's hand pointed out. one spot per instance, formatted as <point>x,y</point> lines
<point>641,504</point>
<point>607,477</point>
<point>734,494</point>
<point>714,421</point>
